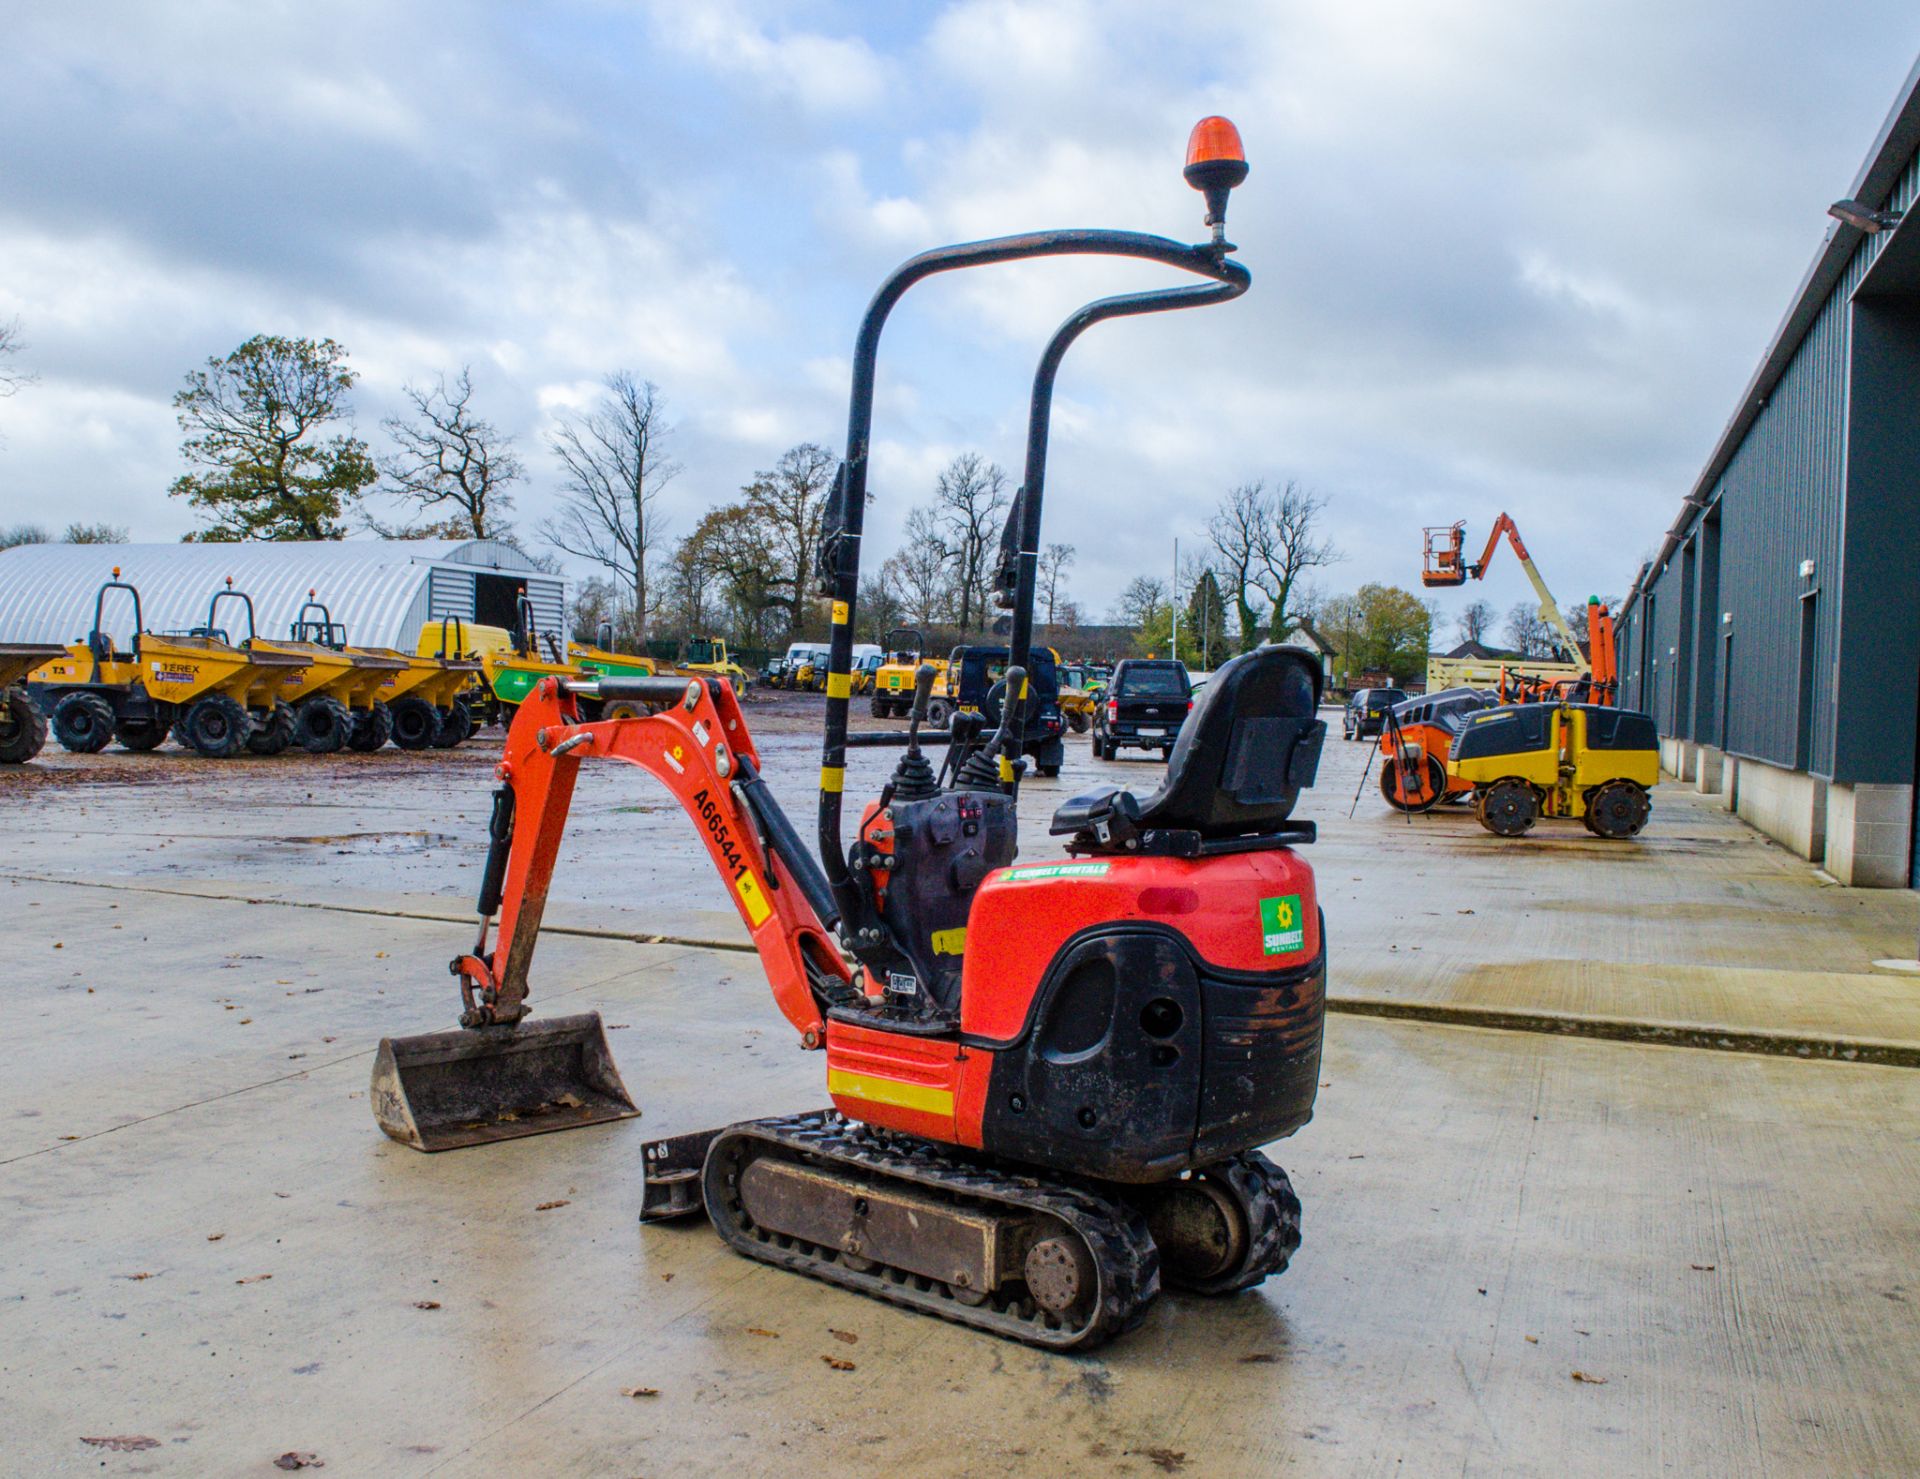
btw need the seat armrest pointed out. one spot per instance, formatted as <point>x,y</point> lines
<point>1081,812</point>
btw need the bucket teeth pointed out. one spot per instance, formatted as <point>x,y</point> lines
<point>446,1090</point>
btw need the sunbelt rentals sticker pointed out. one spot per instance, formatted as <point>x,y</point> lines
<point>1043,872</point>
<point>1283,926</point>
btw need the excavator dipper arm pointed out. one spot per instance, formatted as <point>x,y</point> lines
<point>699,748</point>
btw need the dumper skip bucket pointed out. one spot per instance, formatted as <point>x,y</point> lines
<point>472,1086</point>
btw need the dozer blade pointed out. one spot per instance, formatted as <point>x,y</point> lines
<point>445,1090</point>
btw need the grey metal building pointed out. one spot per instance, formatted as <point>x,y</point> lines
<point>383,591</point>
<point>1774,637</point>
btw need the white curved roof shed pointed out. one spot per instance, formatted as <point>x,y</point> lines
<point>381,590</point>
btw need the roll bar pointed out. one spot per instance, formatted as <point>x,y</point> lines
<point>846,508</point>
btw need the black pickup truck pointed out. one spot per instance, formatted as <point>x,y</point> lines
<point>1146,703</point>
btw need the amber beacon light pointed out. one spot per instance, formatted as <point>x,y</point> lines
<point>1216,162</point>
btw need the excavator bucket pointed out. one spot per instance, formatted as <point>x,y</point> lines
<point>473,1086</point>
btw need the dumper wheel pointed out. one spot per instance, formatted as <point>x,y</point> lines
<point>274,733</point>
<point>1508,808</point>
<point>83,723</point>
<point>321,725</point>
<point>140,735</point>
<point>1617,810</point>
<point>215,726</point>
<point>23,728</point>
<point>415,722</point>
<point>1417,795</point>
<point>372,728</point>
<point>456,725</point>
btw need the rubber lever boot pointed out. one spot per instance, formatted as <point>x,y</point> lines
<point>913,778</point>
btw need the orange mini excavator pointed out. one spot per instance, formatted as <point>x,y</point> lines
<point>1049,1079</point>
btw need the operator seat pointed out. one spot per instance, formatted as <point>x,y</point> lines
<point>1250,746</point>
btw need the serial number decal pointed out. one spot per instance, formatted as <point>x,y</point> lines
<point>171,673</point>
<point>745,884</point>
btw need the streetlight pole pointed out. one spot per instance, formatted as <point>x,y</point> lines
<point>1174,600</point>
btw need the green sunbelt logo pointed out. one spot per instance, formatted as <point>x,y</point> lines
<point>1282,925</point>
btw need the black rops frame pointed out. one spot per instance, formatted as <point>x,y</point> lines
<point>840,567</point>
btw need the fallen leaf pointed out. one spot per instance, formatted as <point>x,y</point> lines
<point>1533,1340</point>
<point>426,1304</point>
<point>837,1364</point>
<point>283,983</point>
<point>845,1336</point>
<point>69,1137</point>
<point>1701,1268</point>
<point>215,1237</point>
<point>1589,1378</point>
<point>1260,1358</point>
<point>244,1021</point>
<point>1167,1460</point>
<point>124,1443</point>
<point>666,1278</point>
<point>1463,911</point>
<point>254,1279</point>
<point>756,1330</point>
<point>58,946</point>
<point>138,1277</point>
<point>639,1391</point>
<point>291,1460</point>
<point>549,1206</point>
<point>571,1101</point>
<point>379,955</point>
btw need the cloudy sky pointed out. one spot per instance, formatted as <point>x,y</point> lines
<point>1505,255</point>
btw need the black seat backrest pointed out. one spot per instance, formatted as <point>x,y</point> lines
<point>1250,746</point>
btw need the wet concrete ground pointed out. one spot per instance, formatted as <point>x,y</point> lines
<point>1721,1244</point>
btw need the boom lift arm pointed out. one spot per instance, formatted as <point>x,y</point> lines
<point>1446,565</point>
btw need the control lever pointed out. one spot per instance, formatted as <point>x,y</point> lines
<point>913,778</point>
<point>979,772</point>
<point>917,714</point>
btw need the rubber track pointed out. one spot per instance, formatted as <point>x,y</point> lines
<point>1127,1263</point>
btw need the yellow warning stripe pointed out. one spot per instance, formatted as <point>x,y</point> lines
<point>1006,771</point>
<point>833,778</point>
<point>839,685</point>
<point>889,1091</point>
<point>753,899</point>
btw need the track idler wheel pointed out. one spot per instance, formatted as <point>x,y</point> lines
<point>1617,810</point>
<point>1508,808</point>
<point>1226,1227</point>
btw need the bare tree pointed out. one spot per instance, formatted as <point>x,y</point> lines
<point>1142,603</point>
<point>452,461</point>
<point>18,534</point>
<point>1528,632</point>
<point>1054,560</point>
<point>12,379</point>
<point>969,497</point>
<point>791,498</point>
<point>616,465</point>
<point>921,570</point>
<point>1292,548</point>
<point>1267,541</point>
<point>1475,621</point>
<point>1239,533</point>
